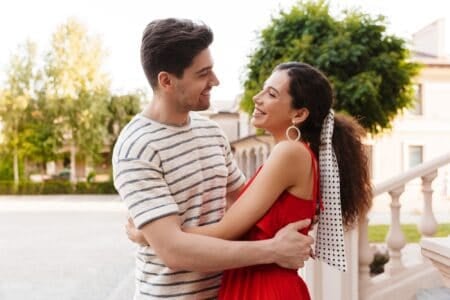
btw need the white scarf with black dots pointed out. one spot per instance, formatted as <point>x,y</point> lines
<point>330,230</point>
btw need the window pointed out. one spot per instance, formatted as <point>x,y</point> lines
<point>415,155</point>
<point>417,109</point>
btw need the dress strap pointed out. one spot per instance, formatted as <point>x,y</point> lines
<point>318,204</point>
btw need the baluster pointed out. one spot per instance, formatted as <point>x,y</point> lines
<point>259,158</point>
<point>395,238</point>
<point>252,161</point>
<point>428,224</point>
<point>238,159</point>
<point>265,153</point>
<point>365,253</point>
<point>246,164</point>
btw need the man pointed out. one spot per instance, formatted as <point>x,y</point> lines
<point>174,168</point>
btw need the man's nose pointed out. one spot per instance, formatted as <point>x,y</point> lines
<point>214,80</point>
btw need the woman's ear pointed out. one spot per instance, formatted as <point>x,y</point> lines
<point>301,115</point>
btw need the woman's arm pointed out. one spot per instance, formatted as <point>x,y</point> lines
<point>134,234</point>
<point>280,171</point>
<point>232,197</point>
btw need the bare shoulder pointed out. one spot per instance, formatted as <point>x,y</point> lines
<point>290,152</point>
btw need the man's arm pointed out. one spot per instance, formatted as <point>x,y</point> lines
<point>186,251</point>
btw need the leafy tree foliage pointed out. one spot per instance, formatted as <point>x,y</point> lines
<point>78,89</point>
<point>122,108</point>
<point>16,95</point>
<point>370,70</point>
<point>58,104</point>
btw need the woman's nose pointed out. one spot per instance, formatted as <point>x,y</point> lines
<point>257,98</point>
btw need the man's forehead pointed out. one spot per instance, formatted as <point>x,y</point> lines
<point>202,60</point>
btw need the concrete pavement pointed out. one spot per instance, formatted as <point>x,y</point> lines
<point>64,247</point>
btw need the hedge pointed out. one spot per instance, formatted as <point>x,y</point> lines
<point>53,187</point>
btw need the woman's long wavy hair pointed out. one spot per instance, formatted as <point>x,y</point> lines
<point>310,89</point>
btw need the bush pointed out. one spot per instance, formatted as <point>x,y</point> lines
<point>29,188</point>
<point>91,177</point>
<point>95,188</point>
<point>380,258</point>
<point>6,167</point>
<point>53,187</point>
<point>7,188</point>
<point>105,188</point>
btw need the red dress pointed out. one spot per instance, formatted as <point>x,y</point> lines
<point>270,281</point>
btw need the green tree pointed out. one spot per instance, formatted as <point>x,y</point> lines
<point>122,108</point>
<point>6,165</point>
<point>22,77</point>
<point>369,69</point>
<point>78,90</point>
<point>41,137</point>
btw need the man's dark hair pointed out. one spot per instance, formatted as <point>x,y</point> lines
<point>170,45</point>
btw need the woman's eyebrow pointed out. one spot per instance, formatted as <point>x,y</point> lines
<point>272,88</point>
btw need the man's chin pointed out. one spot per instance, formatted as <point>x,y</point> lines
<point>202,105</point>
<point>200,108</point>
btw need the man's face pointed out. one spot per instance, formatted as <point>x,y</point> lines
<point>192,90</point>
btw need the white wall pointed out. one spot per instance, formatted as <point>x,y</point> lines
<point>430,130</point>
<point>431,39</point>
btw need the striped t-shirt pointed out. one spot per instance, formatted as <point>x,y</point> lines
<point>161,170</point>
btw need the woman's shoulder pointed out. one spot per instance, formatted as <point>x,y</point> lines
<point>292,148</point>
<point>291,152</point>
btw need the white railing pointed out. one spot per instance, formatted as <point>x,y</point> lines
<point>249,159</point>
<point>399,281</point>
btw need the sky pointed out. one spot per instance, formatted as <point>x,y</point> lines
<point>235,23</point>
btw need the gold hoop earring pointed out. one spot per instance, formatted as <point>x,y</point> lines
<point>299,134</point>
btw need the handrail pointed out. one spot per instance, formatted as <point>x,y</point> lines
<point>418,171</point>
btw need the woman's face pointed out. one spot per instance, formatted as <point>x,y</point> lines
<point>273,111</point>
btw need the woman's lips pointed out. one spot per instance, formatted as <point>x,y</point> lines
<point>257,112</point>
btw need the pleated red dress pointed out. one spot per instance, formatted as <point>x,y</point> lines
<point>270,281</point>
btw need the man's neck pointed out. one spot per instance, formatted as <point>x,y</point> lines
<point>163,112</point>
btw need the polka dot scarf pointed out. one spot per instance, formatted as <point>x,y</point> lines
<point>330,230</point>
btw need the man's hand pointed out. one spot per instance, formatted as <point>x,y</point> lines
<point>292,248</point>
<point>134,234</point>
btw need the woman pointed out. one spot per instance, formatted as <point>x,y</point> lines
<point>295,107</point>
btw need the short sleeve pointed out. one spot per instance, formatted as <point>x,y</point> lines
<point>142,187</point>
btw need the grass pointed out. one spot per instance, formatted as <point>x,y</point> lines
<point>377,233</point>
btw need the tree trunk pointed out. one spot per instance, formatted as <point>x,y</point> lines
<point>73,164</point>
<point>16,166</point>
<point>26,170</point>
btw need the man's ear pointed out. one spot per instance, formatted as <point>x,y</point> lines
<point>300,115</point>
<point>165,80</point>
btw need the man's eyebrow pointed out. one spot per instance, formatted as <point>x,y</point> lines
<point>204,69</point>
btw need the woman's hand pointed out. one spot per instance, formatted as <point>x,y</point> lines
<point>134,234</point>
